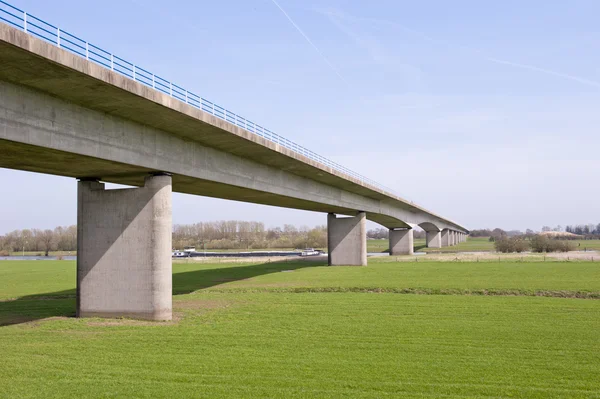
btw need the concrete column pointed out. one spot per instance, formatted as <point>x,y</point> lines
<point>433,239</point>
<point>401,242</point>
<point>445,238</point>
<point>124,250</point>
<point>347,240</point>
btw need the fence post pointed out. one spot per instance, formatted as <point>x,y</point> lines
<point>25,22</point>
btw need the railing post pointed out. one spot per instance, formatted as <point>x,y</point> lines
<point>58,37</point>
<point>171,89</point>
<point>87,51</point>
<point>186,97</point>
<point>25,22</point>
<point>153,81</point>
<point>133,69</point>
<point>213,108</point>
<point>112,63</point>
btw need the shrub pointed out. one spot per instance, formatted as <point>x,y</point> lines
<point>512,244</point>
<point>4,252</point>
<point>540,243</point>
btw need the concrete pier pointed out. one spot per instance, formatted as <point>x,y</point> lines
<point>433,239</point>
<point>347,240</point>
<point>124,250</point>
<point>445,237</point>
<point>401,242</point>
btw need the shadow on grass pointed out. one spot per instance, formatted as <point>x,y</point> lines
<point>62,303</point>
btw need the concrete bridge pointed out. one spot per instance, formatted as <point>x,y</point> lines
<point>62,113</point>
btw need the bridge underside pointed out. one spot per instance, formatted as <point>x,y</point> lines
<point>31,158</point>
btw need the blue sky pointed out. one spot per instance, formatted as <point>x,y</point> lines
<point>484,112</point>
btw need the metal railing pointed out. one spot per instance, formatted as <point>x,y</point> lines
<point>35,26</point>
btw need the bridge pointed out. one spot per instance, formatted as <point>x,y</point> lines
<point>69,108</point>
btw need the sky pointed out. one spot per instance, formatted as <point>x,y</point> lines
<point>483,112</point>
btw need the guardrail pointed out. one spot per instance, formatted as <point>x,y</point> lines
<point>35,26</point>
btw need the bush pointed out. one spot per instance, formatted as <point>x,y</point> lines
<point>4,252</point>
<point>540,243</point>
<point>512,244</point>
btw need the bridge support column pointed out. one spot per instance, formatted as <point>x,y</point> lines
<point>401,242</point>
<point>124,250</point>
<point>347,240</point>
<point>445,237</point>
<point>452,237</point>
<point>433,239</point>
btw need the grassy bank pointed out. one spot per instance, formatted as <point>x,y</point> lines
<point>264,330</point>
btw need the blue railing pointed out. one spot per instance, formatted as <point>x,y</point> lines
<point>32,25</point>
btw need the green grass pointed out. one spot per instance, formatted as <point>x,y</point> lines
<point>473,244</point>
<point>249,331</point>
<point>478,244</point>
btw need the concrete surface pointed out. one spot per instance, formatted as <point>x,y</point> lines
<point>124,250</point>
<point>445,237</point>
<point>433,239</point>
<point>401,242</point>
<point>347,240</point>
<point>64,115</point>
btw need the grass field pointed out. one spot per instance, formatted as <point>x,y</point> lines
<point>473,244</point>
<point>305,330</point>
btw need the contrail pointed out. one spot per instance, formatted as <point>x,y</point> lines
<point>546,71</point>
<point>333,68</point>
<point>469,49</point>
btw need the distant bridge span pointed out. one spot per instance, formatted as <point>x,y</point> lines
<point>63,114</point>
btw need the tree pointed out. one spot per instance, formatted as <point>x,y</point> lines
<point>48,240</point>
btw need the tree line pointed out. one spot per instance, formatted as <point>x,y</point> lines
<point>225,234</point>
<point>236,234</point>
<point>42,241</point>
<point>384,233</point>
<point>586,231</point>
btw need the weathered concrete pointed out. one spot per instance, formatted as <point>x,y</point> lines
<point>124,250</point>
<point>64,115</point>
<point>347,240</point>
<point>433,239</point>
<point>401,242</point>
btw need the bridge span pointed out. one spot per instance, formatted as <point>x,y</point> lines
<point>64,113</point>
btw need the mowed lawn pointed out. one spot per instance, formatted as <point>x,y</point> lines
<point>265,330</point>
